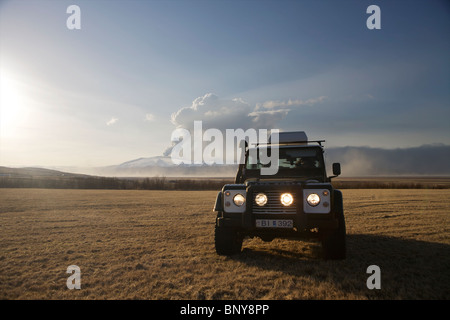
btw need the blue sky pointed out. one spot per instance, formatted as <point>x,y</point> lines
<point>116,89</point>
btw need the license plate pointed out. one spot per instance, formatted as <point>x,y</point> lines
<point>270,223</point>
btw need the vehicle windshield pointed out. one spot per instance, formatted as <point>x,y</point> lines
<point>292,162</point>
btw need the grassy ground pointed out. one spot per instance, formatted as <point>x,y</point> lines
<point>159,245</point>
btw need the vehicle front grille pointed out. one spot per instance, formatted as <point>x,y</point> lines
<point>274,205</point>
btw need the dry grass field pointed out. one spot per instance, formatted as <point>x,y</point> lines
<point>159,245</point>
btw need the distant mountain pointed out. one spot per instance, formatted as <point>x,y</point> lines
<point>355,161</point>
<point>164,166</point>
<point>54,179</point>
<point>431,160</point>
<point>159,161</point>
<point>36,173</point>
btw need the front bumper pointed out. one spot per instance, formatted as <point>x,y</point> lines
<point>302,221</point>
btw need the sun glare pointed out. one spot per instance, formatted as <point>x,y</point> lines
<point>11,105</point>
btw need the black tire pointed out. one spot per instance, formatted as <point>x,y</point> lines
<point>228,241</point>
<point>334,241</point>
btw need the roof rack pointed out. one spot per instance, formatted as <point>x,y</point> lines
<point>291,138</point>
<point>291,143</point>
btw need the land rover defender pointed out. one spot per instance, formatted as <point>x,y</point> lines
<point>297,202</point>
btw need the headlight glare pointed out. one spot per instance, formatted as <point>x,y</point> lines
<point>261,199</point>
<point>287,199</point>
<point>313,199</point>
<point>239,199</point>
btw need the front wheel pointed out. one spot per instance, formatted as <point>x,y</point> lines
<point>227,241</point>
<point>334,242</point>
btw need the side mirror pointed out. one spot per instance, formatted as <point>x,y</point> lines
<point>336,169</point>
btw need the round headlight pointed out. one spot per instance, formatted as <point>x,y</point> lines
<point>261,199</point>
<point>287,199</point>
<point>239,199</point>
<point>313,199</point>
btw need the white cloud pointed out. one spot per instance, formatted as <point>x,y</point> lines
<point>112,121</point>
<point>222,114</point>
<point>214,113</point>
<point>267,119</point>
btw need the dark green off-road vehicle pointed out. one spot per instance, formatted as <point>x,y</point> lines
<point>297,202</point>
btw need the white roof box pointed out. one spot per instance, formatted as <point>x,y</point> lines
<point>291,137</point>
